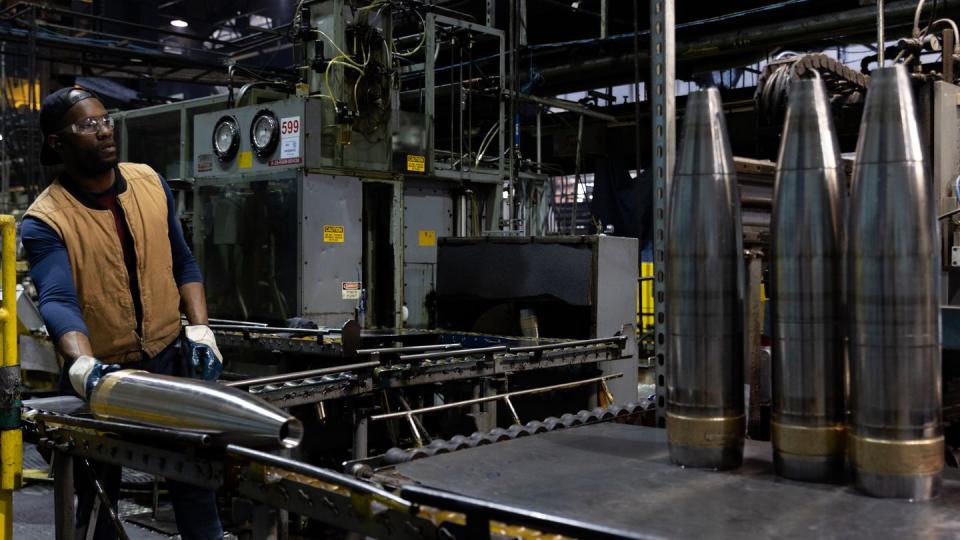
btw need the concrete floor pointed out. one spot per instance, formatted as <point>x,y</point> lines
<point>33,516</point>
<point>33,508</point>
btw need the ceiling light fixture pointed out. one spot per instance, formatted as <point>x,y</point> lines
<point>179,23</point>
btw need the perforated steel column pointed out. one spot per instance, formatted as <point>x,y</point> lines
<point>663,115</point>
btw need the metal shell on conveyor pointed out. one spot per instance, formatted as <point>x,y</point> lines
<point>236,417</point>
<point>807,290</point>
<point>896,434</point>
<point>704,291</point>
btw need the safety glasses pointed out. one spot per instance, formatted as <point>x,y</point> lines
<point>91,125</point>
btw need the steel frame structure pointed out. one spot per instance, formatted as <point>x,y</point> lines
<point>663,121</point>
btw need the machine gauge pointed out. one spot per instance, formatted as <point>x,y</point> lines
<point>264,133</point>
<point>226,138</point>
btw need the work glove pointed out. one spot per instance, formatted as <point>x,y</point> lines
<point>205,358</point>
<point>86,372</point>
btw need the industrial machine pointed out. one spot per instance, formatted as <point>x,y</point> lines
<point>162,136</point>
<point>548,287</point>
<point>282,241</point>
<point>328,204</point>
<point>317,220</point>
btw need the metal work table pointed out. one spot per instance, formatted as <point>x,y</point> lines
<point>618,477</point>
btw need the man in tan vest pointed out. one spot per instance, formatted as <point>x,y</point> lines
<point>113,271</point>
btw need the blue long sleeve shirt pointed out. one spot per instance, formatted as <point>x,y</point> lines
<point>51,272</point>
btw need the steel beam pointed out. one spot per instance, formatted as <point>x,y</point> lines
<point>663,121</point>
<point>63,502</point>
<point>172,464</point>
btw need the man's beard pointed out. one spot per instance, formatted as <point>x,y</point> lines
<point>96,165</point>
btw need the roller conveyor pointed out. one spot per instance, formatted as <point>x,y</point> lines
<point>417,365</point>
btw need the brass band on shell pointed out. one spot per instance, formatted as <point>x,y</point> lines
<point>891,457</point>
<point>705,431</point>
<point>105,386</point>
<point>809,441</point>
<point>104,404</point>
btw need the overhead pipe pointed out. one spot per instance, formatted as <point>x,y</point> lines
<point>757,38</point>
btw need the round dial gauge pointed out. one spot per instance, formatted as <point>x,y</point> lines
<point>226,138</point>
<point>264,133</point>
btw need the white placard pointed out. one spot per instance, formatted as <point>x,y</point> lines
<point>350,290</point>
<point>289,127</point>
<point>289,147</point>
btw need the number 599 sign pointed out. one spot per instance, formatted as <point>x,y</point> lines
<point>290,127</point>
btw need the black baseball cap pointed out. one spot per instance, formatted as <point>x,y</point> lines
<point>52,111</point>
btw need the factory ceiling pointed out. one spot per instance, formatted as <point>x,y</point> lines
<point>141,42</point>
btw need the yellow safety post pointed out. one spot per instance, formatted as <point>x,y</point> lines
<point>11,439</point>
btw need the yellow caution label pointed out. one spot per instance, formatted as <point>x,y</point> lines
<point>427,238</point>
<point>246,160</point>
<point>333,234</point>
<point>416,163</point>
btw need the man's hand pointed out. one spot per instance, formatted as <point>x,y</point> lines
<point>205,357</point>
<point>86,372</point>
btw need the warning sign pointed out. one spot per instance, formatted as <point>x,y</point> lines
<point>416,163</point>
<point>350,290</point>
<point>427,238</point>
<point>333,234</point>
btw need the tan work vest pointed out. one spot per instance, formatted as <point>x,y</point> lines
<point>99,272</point>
